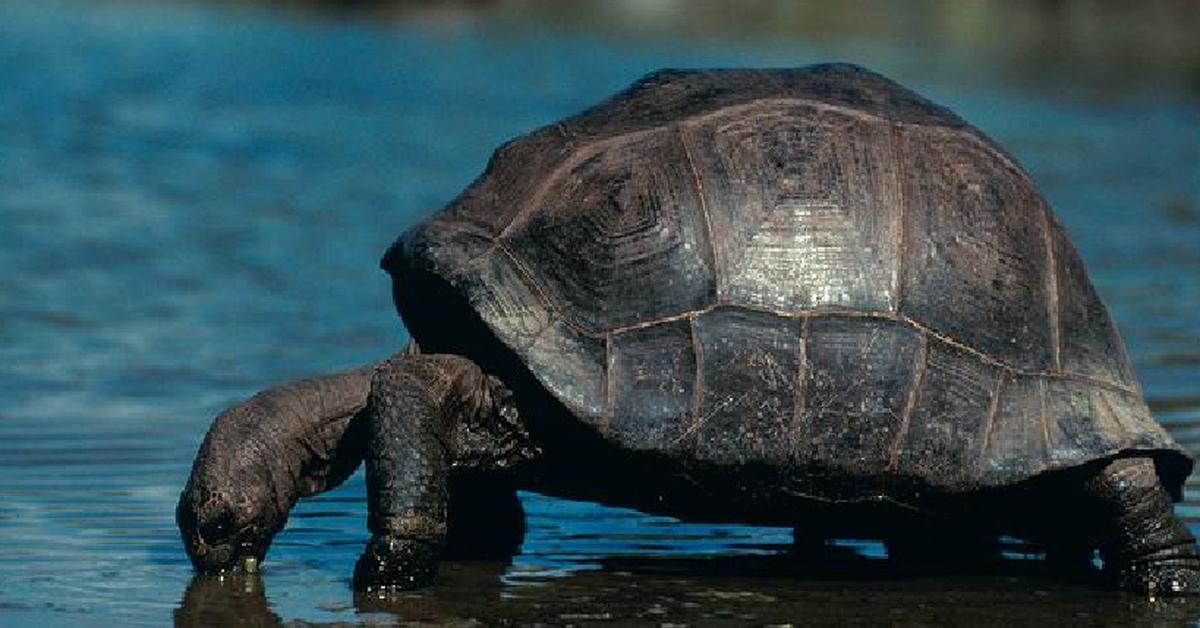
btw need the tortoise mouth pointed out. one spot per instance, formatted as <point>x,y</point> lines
<point>214,540</point>
<point>242,550</point>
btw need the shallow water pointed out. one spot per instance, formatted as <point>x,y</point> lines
<point>192,205</point>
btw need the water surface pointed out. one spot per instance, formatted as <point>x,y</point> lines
<point>193,200</point>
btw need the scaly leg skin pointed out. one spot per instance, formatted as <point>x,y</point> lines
<point>1143,544</point>
<point>426,416</point>
<point>263,455</point>
<point>407,473</point>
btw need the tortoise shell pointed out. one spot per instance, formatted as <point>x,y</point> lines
<point>811,268</point>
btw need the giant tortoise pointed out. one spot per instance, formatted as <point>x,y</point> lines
<point>805,297</point>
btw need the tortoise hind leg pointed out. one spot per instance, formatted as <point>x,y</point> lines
<point>1142,543</point>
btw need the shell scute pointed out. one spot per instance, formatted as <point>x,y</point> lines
<point>652,373</point>
<point>617,237</point>
<point>749,363</point>
<point>975,250</point>
<point>859,377</point>
<point>802,206</point>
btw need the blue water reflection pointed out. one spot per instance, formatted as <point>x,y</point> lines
<point>193,200</point>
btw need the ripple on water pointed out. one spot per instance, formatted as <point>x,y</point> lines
<point>192,205</point>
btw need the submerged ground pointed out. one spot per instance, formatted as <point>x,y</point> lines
<point>193,200</point>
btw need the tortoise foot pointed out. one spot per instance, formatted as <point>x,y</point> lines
<point>1163,580</point>
<point>1149,549</point>
<point>396,564</point>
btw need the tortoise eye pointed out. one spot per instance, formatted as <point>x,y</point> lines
<point>217,528</point>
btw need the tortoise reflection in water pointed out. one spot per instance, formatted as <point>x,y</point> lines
<point>794,297</point>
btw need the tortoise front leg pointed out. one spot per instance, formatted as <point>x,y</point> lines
<point>407,474</point>
<point>426,416</point>
<point>1142,543</point>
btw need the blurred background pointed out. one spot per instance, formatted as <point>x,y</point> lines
<point>194,197</point>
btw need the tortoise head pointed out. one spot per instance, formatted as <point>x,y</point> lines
<point>227,513</point>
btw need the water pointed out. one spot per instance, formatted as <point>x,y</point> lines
<point>193,200</point>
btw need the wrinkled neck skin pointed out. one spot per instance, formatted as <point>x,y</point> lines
<point>261,456</point>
